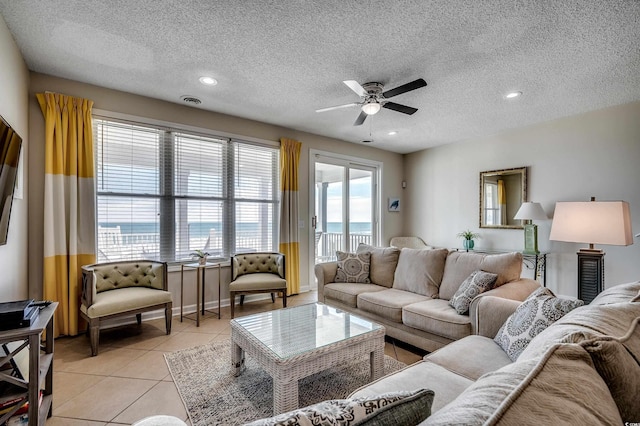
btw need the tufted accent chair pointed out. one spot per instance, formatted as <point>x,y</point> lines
<point>257,273</point>
<point>122,288</point>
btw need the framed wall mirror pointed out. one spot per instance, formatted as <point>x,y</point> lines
<point>501,194</point>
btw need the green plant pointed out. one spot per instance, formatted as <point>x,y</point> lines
<point>468,235</point>
<point>199,254</point>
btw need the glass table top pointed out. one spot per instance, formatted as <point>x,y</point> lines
<point>299,329</point>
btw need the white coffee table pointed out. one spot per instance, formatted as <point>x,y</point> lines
<point>295,342</point>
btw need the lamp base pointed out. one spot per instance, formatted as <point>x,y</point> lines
<point>590,274</point>
<point>531,239</point>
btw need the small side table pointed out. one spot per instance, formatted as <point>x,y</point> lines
<point>200,272</point>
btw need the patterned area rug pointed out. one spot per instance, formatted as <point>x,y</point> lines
<point>213,396</point>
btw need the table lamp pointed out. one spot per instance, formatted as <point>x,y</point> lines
<point>530,211</point>
<point>592,222</point>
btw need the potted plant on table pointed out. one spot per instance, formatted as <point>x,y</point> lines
<point>468,236</point>
<point>201,256</point>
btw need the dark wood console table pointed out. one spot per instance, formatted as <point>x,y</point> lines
<point>40,371</point>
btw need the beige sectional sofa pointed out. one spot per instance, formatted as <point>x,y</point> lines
<point>410,290</point>
<point>584,369</point>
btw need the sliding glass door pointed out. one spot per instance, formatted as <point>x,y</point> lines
<point>345,207</point>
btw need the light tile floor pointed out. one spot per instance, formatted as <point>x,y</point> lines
<point>129,379</point>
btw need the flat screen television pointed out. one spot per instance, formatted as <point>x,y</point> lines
<point>10,144</point>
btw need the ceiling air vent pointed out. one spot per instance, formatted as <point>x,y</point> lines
<point>191,100</point>
<point>367,141</point>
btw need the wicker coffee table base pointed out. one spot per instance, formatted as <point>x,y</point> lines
<point>286,372</point>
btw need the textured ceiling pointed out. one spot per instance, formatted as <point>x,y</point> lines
<point>279,61</point>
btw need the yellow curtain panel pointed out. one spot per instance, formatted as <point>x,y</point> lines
<point>69,204</point>
<point>289,242</point>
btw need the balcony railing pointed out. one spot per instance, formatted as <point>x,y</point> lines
<point>328,242</point>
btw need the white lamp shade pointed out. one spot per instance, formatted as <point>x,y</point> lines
<point>530,211</point>
<point>592,222</point>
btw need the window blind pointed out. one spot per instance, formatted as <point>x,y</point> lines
<point>164,193</point>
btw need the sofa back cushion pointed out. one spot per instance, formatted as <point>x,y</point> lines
<point>384,261</point>
<point>112,276</point>
<point>460,265</point>
<point>420,271</point>
<point>561,387</point>
<point>252,263</point>
<point>617,360</point>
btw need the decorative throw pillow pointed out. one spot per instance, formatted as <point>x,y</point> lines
<point>476,283</point>
<point>353,267</point>
<point>394,408</point>
<point>538,311</point>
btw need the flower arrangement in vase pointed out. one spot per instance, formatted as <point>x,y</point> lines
<point>468,236</point>
<point>200,255</point>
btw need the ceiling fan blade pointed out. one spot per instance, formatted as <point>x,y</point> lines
<point>416,84</point>
<point>363,116</point>
<point>400,108</point>
<point>355,86</point>
<point>337,107</point>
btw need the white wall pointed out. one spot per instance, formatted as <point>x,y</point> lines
<point>571,159</point>
<point>126,103</point>
<point>14,82</point>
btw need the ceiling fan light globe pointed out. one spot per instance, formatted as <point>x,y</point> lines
<point>371,108</point>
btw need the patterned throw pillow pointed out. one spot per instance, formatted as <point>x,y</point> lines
<point>353,267</point>
<point>394,408</point>
<point>538,311</point>
<point>478,282</point>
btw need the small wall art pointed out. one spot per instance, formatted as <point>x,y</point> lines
<point>394,204</point>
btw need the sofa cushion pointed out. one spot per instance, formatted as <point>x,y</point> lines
<point>585,322</point>
<point>398,408</point>
<point>420,271</point>
<point>455,357</point>
<point>538,311</point>
<point>618,294</point>
<point>383,263</point>
<point>476,283</point>
<point>438,317</point>
<point>353,267</point>
<point>388,303</point>
<point>460,265</point>
<point>446,385</point>
<point>258,281</point>
<point>347,293</point>
<point>124,300</point>
<point>559,388</point>
<point>128,274</point>
<point>617,360</point>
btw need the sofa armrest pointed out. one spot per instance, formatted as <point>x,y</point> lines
<point>325,274</point>
<point>487,316</point>
<point>490,313</point>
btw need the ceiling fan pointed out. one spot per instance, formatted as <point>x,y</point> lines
<point>373,98</point>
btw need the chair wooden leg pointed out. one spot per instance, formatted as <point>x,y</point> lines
<point>168,316</point>
<point>139,318</point>
<point>232,302</point>
<point>94,335</point>
<point>284,299</point>
<point>241,299</point>
<point>273,298</point>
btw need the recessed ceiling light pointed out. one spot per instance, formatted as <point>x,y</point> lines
<point>393,132</point>
<point>209,81</point>
<point>512,95</point>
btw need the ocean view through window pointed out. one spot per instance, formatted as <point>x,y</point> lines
<point>163,193</point>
